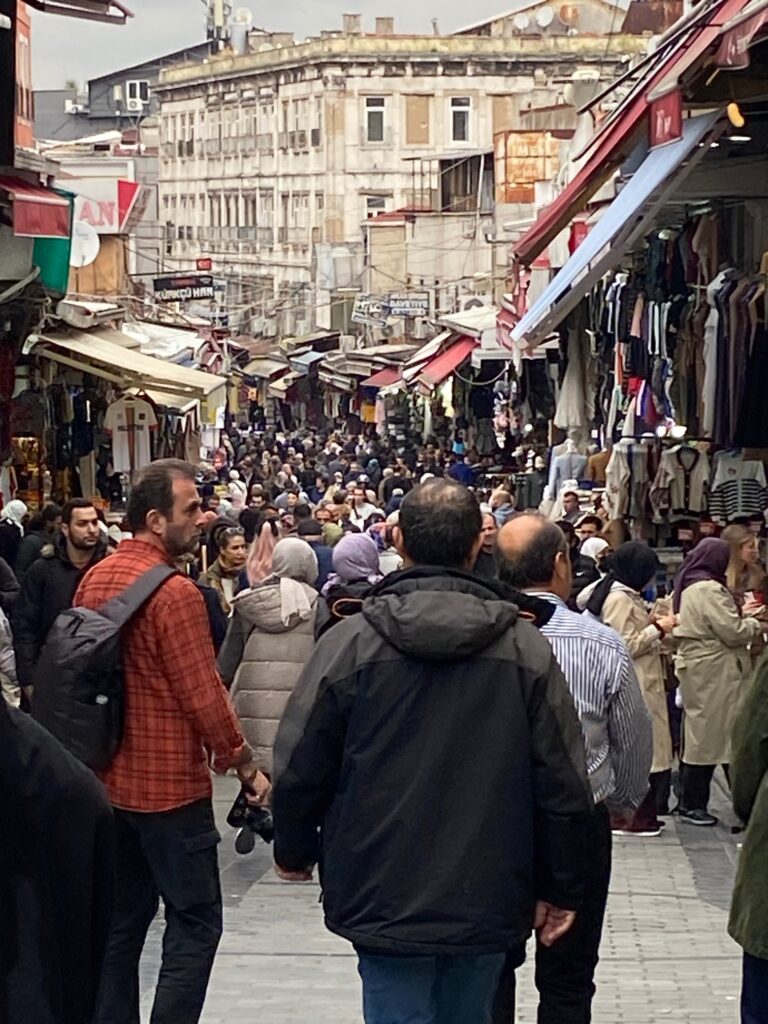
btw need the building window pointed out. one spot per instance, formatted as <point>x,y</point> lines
<point>374,118</point>
<point>374,205</point>
<point>137,89</point>
<point>460,109</point>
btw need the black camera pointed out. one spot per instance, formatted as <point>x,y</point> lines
<point>256,821</point>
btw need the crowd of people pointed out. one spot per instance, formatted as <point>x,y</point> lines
<point>365,635</point>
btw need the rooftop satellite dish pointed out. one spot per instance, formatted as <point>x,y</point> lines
<point>243,16</point>
<point>569,15</point>
<point>521,21</point>
<point>544,17</point>
<point>85,245</point>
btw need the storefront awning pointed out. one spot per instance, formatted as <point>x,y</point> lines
<point>441,367</point>
<point>279,388</point>
<point>613,141</point>
<point>306,360</point>
<point>385,378</point>
<point>264,369</point>
<point>627,218</point>
<point>110,11</point>
<point>37,212</point>
<point>94,353</point>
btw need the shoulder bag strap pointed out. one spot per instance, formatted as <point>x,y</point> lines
<point>122,608</point>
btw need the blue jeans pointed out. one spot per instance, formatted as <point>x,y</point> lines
<point>754,991</point>
<point>429,989</point>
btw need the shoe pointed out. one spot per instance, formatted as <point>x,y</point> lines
<point>701,818</point>
<point>641,833</point>
<point>245,840</point>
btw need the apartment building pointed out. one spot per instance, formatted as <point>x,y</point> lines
<point>273,160</point>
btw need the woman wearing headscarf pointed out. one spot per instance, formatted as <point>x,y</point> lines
<point>587,570</point>
<point>12,530</point>
<point>712,664</point>
<point>355,570</point>
<point>616,600</point>
<point>258,564</point>
<point>270,638</point>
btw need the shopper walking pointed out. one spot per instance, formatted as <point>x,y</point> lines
<point>369,766</point>
<point>616,601</point>
<point>177,717</point>
<point>749,910</point>
<point>712,664</point>
<point>12,519</point>
<point>50,583</point>
<point>223,574</point>
<point>270,638</point>
<point>485,563</point>
<point>533,557</point>
<point>355,570</point>
<point>40,532</point>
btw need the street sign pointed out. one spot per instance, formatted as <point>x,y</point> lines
<point>204,263</point>
<point>369,309</point>
<point>414,304</point>
<point>183,287</point>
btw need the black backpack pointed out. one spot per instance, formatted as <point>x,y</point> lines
<point>78,678</point>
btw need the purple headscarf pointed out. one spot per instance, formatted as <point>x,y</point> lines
<point>708,561</point>
<point>355,558</point>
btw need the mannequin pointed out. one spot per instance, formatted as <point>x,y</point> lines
<point>570,465</point>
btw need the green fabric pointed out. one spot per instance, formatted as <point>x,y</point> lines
<point>51,255</point>
<point>749,784</point>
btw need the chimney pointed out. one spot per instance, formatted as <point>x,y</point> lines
<point>353,24</point>
<point>385,26</point>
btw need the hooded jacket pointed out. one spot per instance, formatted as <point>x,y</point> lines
<point>262,658</point>
<point>49,588</point>
<point>433,743</point>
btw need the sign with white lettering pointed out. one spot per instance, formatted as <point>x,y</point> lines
<point>415,304</point>
<point>183,287</point>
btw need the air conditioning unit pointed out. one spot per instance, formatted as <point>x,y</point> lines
<point>134,106</point>
<point>75,108</point>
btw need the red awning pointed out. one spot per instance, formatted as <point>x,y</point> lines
<point>614,140</point>
<point>38,212</point>
<point>384,378</point>
<point>441,367</point>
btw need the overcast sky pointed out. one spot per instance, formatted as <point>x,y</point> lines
<point>67,48</point>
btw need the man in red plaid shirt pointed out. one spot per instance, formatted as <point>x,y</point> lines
<point>178,724</point>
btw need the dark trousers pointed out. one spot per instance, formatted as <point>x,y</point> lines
<point>170,855</point>
<point>565,972</point>
<point>429,989</point>
<point>754,991</point>
<point>695,782</point>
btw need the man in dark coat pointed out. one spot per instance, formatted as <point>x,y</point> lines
<point>56,864</point>
<point>436,690</point>
<point>40,532</point>
<point>51,581</point>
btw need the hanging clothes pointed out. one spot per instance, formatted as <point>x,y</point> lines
<point>681,485</point>
<point>739,488</point>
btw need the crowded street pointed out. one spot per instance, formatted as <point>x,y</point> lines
<point>383,512</point>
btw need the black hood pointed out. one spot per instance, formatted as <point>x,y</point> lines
<point>441,614</point>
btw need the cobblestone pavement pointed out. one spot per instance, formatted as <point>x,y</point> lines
<point>665,954</point>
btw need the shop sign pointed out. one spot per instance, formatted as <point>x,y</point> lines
<point>204,263</point>
<point>667,119</point>
<point>183,287</point>
<point>371,310</point>
<point>734,49</point>
<point>111,206</point>
<point>415,304</point>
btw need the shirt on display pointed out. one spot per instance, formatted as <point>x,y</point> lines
<point>130,421</point>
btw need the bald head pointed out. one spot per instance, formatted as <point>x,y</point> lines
<point>533,555</point>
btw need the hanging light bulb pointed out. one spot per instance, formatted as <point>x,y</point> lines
<point>735,116</point>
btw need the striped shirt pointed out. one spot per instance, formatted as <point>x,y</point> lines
<point>614,719</point>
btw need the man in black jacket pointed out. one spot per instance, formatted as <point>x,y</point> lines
<point>430,759</point>
<point>40,532</point>
<point>51,582</point>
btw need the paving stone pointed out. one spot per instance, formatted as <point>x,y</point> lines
<point>666,955</point>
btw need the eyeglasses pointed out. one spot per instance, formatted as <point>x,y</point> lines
<point>232,531</point>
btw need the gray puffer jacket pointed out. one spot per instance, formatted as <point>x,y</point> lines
<point>262,659</point>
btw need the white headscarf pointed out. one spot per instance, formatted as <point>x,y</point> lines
<point>295,563</point>
<point>14,512</point>
<point>593,546</point>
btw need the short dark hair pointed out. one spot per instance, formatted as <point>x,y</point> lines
<point>154,490</point>
<point>53,512</point>
<point>309,528</point>
<point>302,511</point>
<point>440,521</point>
<point>590,520</point>
<point>71,506</point>
<point>533,565</point>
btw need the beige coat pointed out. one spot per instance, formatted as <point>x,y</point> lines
<point>262,658</point>
<point>713,667</point>
<point>625,611</point>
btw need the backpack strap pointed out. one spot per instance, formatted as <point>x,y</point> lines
<point>123,607</point>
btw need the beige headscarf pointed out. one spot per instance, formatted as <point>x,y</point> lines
<point>295,563</point>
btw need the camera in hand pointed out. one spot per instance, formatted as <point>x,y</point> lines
<point>257,819</point>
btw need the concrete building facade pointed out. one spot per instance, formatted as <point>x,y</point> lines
<point>274,161</point>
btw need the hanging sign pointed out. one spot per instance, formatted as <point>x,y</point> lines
<point>183,287</point>
<point>667,119</point>
<point>415,304</point>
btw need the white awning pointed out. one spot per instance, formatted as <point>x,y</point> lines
<point>92,353</point>
<point>627,219</point>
